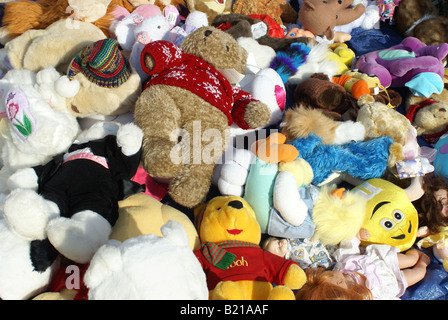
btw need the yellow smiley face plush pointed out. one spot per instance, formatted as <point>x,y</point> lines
<point>235,265</point>
<point>391,218</point>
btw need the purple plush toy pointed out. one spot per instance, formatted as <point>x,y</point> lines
<point>411,63</point>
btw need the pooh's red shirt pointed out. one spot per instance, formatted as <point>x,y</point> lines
<point>250,264</point>
<point>174,67</point>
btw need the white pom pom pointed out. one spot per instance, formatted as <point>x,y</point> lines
<point>67,88</point>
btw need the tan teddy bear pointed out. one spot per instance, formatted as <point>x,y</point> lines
<point>187,107</point>
<point>381,120</point>
<point>429,115</point>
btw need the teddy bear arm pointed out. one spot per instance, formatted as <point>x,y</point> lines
<point>295,277</point>
<point>160,55</point>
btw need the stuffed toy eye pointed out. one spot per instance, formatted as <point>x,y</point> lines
<point>227,48</point>
<point>387,223</point>
<point>292,34</point>
<point>398,216</point>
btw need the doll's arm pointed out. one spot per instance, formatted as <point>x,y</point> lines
<point>287,200</point>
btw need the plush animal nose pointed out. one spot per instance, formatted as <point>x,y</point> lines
<point>235,204</point>
<point>207,33</point>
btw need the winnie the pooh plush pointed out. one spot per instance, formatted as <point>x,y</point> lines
<point>188,100</point>
<point>234,264</point>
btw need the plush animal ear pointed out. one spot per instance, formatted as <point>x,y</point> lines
<point>415,190</point>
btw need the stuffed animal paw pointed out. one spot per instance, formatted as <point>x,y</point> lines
<point>79,237</point>
<point>28,213</point>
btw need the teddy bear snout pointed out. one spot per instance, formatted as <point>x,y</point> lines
<point>235,204</point>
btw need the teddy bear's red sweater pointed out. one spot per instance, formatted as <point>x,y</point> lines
<point>174,67</point>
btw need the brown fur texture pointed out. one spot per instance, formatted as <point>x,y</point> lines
<point>162,109</point>
<point>431,30</point>
<point>241,27</point>
<point>280,11</point>
<point>300,121</point>
<point>209,7</point>
<point>380,120</point>
<point>319,92</point>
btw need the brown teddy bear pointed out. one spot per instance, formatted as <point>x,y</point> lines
<point>189,102</point>
<point>280,10</point>
<point>429,115</point>
<point>421,19</point>
<point>210,7</point>
<point>319,92</point>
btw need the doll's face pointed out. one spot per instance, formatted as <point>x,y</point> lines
<point>442,199</point>
<point>278,247</point>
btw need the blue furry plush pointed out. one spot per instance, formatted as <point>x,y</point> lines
<point>362,159</point>
<point>288,61</point>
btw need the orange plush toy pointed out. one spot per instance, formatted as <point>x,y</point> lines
<point>235,266</point>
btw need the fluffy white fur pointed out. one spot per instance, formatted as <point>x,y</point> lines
<point>147,267</point>
<point>316,62</point>
<point>79,237</point>
<point>19,280</point>
<point>28,213</point>
<point>129,138</point>
<point>54,130</point>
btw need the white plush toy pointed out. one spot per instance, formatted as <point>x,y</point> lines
<point>124,29</point>
<point>35,124</point>
<point>368,20</point>
<point>28,261</point>
<point>83,187</point>
<point>193,21</point>
<point>150,29</point>
<point>147,267</point>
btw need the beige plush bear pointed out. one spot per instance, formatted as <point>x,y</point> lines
<point>381,120</point>
<point>187,107</point>
<point>429,115</point>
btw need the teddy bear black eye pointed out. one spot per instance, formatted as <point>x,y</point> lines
<point>324,1</point>
<point>227,48</point>
<point>336,16</point>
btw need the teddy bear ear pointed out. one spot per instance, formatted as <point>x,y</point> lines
<point>365,99</point>
<point>175,232</point>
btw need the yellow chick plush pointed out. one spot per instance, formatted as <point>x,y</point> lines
<point>235,266</point>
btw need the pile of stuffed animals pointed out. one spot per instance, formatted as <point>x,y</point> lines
<point>147,148</point>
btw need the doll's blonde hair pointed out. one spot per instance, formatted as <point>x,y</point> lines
<point>317,287</point>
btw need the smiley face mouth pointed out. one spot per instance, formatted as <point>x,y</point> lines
<point>234,231</point>
<point>402,236</point>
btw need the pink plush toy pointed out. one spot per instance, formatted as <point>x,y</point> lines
<point>411,63</point>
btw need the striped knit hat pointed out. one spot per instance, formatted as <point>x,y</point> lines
<point>102,63</point>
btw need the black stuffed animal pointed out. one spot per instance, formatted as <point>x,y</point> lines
<point>74,207</point>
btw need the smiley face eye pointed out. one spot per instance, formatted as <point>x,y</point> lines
<point>398,216</point>
<point>387,224</point>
